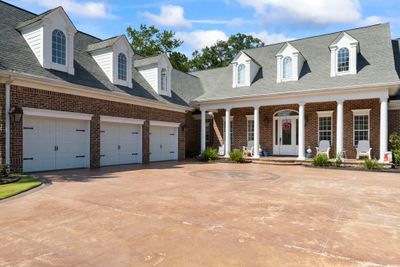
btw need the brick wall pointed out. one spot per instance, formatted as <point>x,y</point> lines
<point>394,121</point>
<point>2,122</point>
<point>311,128</point>
<point>29,97</point>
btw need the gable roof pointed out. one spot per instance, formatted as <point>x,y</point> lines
<point>376,65</point>
<point>17,57</point>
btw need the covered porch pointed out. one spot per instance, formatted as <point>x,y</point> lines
<point>290,125</point>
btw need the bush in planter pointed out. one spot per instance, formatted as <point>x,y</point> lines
<point>371,164</point>
<point>236,156</point>
<point>339,160</point>
<point>394,141</point>
<point>209,154</point>
<point>320,160</point>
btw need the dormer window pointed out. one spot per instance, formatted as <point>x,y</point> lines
<point>343,59</point>
<point>122,67</point>
<point>289,62</point>
<point>344,50</point>
<point>287,68</point>
<point>241,74</point>
<point>58,47</point>
<point>164,80</point>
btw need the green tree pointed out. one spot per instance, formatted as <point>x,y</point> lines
<point>223,52</point>
<point>150,41</point>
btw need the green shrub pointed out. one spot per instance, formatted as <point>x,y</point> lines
<point>320,160</point>
<point>209,154</point>
<point>396,157</point>
<point>394,141</point>
<point>371,164</point>
<point>339,160</point>
<point>236,156</point>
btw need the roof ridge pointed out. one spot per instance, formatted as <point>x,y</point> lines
<point>17,7</point>
<point>319,35</point>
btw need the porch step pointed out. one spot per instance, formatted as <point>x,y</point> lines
<point>279,161</point>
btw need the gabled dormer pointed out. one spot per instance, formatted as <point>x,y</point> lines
<point>244,70</point>
<point>51,38</point>
<point>289,62</point>
<point>344,50</point>
<point>156,71</point>
<point>114,56</point>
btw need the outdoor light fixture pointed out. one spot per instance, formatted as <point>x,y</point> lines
<point>16,114</point>
<point>183,127</point>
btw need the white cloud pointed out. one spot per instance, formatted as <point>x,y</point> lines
<point>270,38</point>
<point>170,15</point>
<point>371,20</point>
<point>315,11</point>
<point>85,9</point>
<point>200,39</point>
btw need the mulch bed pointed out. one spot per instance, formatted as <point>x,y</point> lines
<point>8,180</point>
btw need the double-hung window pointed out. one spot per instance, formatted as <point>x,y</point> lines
<point>250,128</point>
<point>361,125</point>
<point>325,126</point>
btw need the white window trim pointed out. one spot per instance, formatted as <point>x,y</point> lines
<point>121,120</point>
<point>325,114</point>
<point>56,114</point>
<point>223,128</point>
<point>249,118</point>
<point>361,112</point>
<point>165,124</point>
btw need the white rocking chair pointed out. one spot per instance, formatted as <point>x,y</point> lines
<point>249,149</point>
<point>363,149</point>
<point>324,148</point>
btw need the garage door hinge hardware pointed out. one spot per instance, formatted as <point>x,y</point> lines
<point>80,156</point>
<point>28,128</point>
<point>171,134</point>
<point>134,154</point>
<point>172,152</point>
<point>55,148</point>
<point>102,156</point>
<point>28,158</point>
<point>79,130</point>
<point>102,131</point>
<point>119,147</point>
<point>135,133</point>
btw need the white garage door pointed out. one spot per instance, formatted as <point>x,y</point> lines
<point>120,143</point>
<point>163,143</point>
<point>52,144</point>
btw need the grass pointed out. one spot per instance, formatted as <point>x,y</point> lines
<point>24,184</point>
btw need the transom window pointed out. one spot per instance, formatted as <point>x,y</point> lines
<point>287,68</point>
<point>361,128</point>
<point>122,67</point>
<point>343,59</point>
<point>241,74</point>
<point>250,130</point>
<point>58,47</point>
<point>164,80</point>
<point>325,129</point>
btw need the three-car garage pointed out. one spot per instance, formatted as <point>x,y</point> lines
<point>54,140</point>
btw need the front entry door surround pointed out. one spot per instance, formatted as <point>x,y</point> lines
<point>285,133</point>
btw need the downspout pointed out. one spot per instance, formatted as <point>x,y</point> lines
<point>7,119</point>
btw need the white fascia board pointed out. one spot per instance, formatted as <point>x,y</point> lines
<point>121,120</point>
<point>165,124</point>
<point>51,85</point>
<point>56,114</point>
<point>360,112</point>
<point>325,113</point>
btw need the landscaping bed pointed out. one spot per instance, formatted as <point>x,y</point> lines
<point>17,183</point>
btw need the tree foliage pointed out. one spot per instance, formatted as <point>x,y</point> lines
<point>150,41</point>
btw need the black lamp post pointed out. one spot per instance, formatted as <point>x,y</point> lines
<point>16,114</point>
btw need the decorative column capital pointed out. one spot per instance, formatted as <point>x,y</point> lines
<point>256,107</point>
<point>383,99</point>
<point>340,100</point>
<point>302,104</point>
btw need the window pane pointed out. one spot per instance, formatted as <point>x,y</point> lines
<point>325,128</point>
<point>58,47</point>
<point>250,130</point>
<point>164,79</point>
<point>241,74</point>
<point>343,59</point>
<point>287,132</point>
<point>122,67</point>
<point>287,68</point>
<point>361,128</point>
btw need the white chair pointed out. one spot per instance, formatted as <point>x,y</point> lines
<point>221,150</point>
<point>324,148</point>
<point>363,149</point>
<point>249,149</point>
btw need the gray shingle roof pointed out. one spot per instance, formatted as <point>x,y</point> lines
<point>375,65</point>
<point>147,61</point>
<point>103,44</point>
<point>15,55</point>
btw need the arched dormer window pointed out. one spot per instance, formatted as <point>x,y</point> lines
<point>287,68</point>
<point>241,72</point>
<point>122,67</point>
<point>164,80</point>
<point>343,60</point>
<point>58,47</point>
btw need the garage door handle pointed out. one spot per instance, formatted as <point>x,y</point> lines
<point>28,158</point>
<point>82,156</point>
<point>172,152</point>
<point>119,147</point>
<point>55,148</point>
<point>134,154</point>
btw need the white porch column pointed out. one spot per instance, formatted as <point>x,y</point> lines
<point>383,129</point>
<point>256,132</point>
<point>203,131</point>
<point>301,132</point>
<point>227,132</point>
<point>339,127</point>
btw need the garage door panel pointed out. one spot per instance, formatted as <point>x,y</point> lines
<point>163,143</point>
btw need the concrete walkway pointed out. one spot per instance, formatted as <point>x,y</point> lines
<point>192,214</point>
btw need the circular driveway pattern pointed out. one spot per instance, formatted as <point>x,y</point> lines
<point>234,175</point>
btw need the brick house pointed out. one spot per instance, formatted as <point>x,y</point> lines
<point>71,100</point>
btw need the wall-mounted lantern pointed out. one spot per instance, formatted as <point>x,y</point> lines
<point>16,114</point>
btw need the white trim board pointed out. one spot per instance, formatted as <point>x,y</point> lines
<point>56,114</point>
<point>165,124</point>
<point>325,113</point>
<point>121,120</point>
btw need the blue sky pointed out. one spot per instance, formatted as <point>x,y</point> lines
<point>201,22</point>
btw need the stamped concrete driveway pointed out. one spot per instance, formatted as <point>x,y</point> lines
<point>191,214</point>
